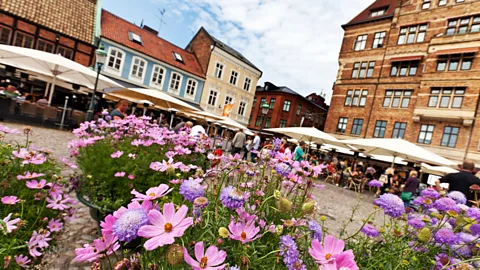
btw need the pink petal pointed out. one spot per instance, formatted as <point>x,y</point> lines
<point>182,226</point>
<point>332,245</point>
<point>156,218</point>
<point>189,259</point>
<point>215,257</point>
<point>149,231</point>
<point>180,215</point>
<point>199,250</point>
<point>169,212</point>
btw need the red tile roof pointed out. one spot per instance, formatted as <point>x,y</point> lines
<point>116,29</point>
<point>364,16</point>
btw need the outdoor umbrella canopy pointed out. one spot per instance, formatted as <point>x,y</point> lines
<point>437,170</point>
<point>52,65</point>
<point>157,97</point>
<point>398,148</point>
<point>308,134</point>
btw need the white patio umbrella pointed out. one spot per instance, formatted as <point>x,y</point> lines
<point>52,65</point>
<point>398,148</point>
<point>309,134</point>
<point>157,97</point>
<point>437,170</point>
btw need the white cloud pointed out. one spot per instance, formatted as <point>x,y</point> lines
<point>295,43</point>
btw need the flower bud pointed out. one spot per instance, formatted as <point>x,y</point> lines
<point>123,264</point>
<point>308,208</point>
<point>220,241</point>
<point>279,229</point>
<point>244,261</point>
<point>424,234</point>
<point>201,202</point>
<point>6,261</point>
<point>274,172</point>
<point>174,254</point>
<point>277,194</point>
<point>323,218</point>
<point>284,205</point>
<point>223,232</point>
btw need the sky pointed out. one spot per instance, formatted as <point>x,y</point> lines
<point>294,42</point>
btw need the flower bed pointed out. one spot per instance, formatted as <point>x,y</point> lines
<point>33,205</point>
<point>240,215</point>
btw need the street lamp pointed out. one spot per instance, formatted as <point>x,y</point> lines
<point>100,56</point>
<point>265,108</point>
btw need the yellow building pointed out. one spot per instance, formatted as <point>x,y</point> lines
<point>230,77</point>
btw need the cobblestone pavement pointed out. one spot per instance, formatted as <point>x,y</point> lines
<point>334,202</point>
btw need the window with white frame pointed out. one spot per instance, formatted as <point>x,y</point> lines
<point>397,98</point>
<point>219,70</point>
<point>378,40</point>
<point>212,98</point>
<point>242,107</point>
<point>228,100</point>
<point>446,97</point>
<point>234,77</point>
<point>175,81</point>
<point>426,4</point>
<point>412,34</point>
<point>191,87</point>
<point>138,67</point>
<point>442,2</point>
<point>426,134</point>
<point>463,25</point>
<point>158,75</point>
<point>360,43</point>
<point>247,83</point>
<point>115,59</point>
<point>342,124</point>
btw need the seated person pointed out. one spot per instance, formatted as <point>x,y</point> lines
<point>43,102</point>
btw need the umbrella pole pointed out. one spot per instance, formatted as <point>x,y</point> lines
<point>144,111</point>
<point>393,162</point>
<point>171,120</point>
<point>47,87</point>
<point>52,88</point>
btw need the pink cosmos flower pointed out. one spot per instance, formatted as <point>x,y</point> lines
<point>248,184</point>
<point>331,255</point>
<point>10,200</point>
<point>176,181</point>
<point>209,260</point>
<point>170,154</point>
<point>55,225</point>
<point>67,163</point>
<point>284,157</point>
<point>116,154</point>
<point>57,202</point>
<point>317,170</point>
<point>152,193</point>
<point>119,174</point>
<point>22,260</point>
<point>7,130</point>
<point>10,223</point>
<point>165,165</point>
<point>91,253</point>
<point>29,175</point>
<point>243,232</point>
<point>259,193</point>
<point>55,189</point>
<point>34,184</point>
<point>165,227</point>
<point>131,176</point>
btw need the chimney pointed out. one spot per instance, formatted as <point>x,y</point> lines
<point>151,30</point>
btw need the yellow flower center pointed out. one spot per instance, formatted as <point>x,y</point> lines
<point>168,227</point>
<point>328,256</point>
<point>151,194</point>
<point>243,236</point>
<point>38,185</point>
<point>203,262</point>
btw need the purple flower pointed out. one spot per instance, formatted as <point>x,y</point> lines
<point>474,213</point>
<point>316,229</point>
<point>416,223</point>
<point>475,229</point>
<point>191,189</point>
<point>466,237</point>
<point>127,225</point>
<point>276,144</point>
<point>283,169</point>
<point>445,236</point>
<point>391,204</point>
<point>423,201</point>
<point>289,251</point>
<point>430,193</point>
<point>369,230</point>
<point>232,198</point>
<point>375,183</point>
<point>442,260</point>
<point>457,196</point>
<point>445,204</point>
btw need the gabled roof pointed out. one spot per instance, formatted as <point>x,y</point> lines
<point>233,52</point>
<point>117,29</point>
<point>364,16</point>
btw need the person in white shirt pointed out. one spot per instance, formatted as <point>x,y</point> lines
<point>288,150</point>
<point>256,145</point>
<point>198,131</point>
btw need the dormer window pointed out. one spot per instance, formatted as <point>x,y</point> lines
<point>378,12</point>
<point>135,38</point>
<point>177,57</point>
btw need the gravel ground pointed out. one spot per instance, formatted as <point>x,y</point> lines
<point>334,202</point>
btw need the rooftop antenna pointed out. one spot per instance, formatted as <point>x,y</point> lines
<point>162,22</point>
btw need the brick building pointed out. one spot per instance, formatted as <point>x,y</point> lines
<point>410,69</point>
<point>62,26</point>
<point>287,108</point>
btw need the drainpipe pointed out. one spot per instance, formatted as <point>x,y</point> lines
<point>471,129</point>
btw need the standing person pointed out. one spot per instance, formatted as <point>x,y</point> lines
<point>283,146</point>
<point>390,172</point>
<point>181,125</point>
<point>299,154</point>
<point>256,146</point>
<point>218,153</point>
<point>462,180</point>
<point>288,149</point>
<point>410,188</point>
<point>120,111</point>
<point>248,148</point>
<point>238,142</point>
